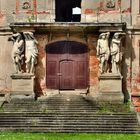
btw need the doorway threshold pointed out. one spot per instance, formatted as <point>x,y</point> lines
<point>76,91</point>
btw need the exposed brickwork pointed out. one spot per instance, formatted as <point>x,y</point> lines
<point>41,66</point>
<point>2,18</point>
<point>136,103</point>
<point>93,63</point>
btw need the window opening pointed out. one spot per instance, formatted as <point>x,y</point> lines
<point>68,10</point>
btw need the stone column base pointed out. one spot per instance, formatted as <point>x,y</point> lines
<point>23,84</point>
<point>110,88</point>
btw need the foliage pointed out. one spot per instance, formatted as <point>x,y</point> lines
<point>114,108</point>
<point>67,136</point>
<point>31,18</point>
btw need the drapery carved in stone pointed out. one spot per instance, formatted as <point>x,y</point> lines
<point>116,53</point>
<point>103,51</point>
<point>110,51</point>
<point>24,51</point>
<point>17,51</point>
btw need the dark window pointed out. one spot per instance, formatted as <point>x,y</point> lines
<point>64,10</point>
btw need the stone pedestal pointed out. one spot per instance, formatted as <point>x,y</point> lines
<point>23,84</point>
<point>110,88</point>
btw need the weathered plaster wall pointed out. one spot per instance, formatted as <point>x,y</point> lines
<point>93,64</point>
<point>96,11</point>
<point>135,8</point>
<point>6,66</point>
<point>40,80</point>
<point>135,66</point>
<point>3,13</point>
<point>92,11</point>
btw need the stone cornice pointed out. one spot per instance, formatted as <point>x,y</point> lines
<point>72,27</point>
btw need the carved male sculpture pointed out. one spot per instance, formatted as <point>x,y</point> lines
<point>116,54</point>
<point>31,51</point>
<point>17,51</point>
<point>103,51</point>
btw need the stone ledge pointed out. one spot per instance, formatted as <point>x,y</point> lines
<point>65,26</point>
<point>109,76</point>
<point>135,95</point>
<point>22,76</point>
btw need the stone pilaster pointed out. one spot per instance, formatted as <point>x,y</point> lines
<point>23,84</point>
<point>110,88</point>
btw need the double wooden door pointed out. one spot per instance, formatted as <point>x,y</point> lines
<point>67,65</point>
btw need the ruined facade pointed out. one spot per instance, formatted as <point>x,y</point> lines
<point>55,25</point>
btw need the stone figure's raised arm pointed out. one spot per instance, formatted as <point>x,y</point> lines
<point>107,35</point>
<point>98,48</point>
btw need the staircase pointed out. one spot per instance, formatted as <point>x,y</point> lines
<point>64,113</point>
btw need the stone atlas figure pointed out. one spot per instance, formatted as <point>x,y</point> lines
<point>17,51</point>
<point>31,51</point>
<point>116,54</point>
<point>103,51</point>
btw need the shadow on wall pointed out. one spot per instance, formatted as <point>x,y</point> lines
<point>129,54</point>
<point>40,68</point>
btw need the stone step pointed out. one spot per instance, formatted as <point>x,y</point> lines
<point>80,114</point>
<point>94,114</point>
<point>60,129</point>
<point>70,131</point>
<point>72,117</point>
<point>68,119</point>
<point>57,107</point>
<point>36,107</point>
<point>68,113</point>
<point>53,109</point>
<point>47,121</point>
<point>61,126</point>
<point>61,119</point>
<point>64,113</point>
<point>57,98</point>
<point>24,121</point>
<point>52,104</point>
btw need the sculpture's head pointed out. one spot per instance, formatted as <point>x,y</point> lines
<point>14,37</point>
<point>116,35</point>
<point>102,36</point>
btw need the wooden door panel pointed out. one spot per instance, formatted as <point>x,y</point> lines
<point>66,75</point>
<point>52,74</point>
<point>81,75</point>
<point>67,65</point>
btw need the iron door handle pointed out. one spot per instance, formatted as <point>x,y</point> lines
<point>59,74</point>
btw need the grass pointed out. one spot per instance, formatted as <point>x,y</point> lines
<point>67,136</point>
<point>114,108</point>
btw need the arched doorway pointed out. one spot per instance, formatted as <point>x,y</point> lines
<point>67,65</point>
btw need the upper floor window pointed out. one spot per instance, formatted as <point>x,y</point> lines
<point>68,10</point>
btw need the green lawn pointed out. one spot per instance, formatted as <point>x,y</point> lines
<point>71,136</point>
